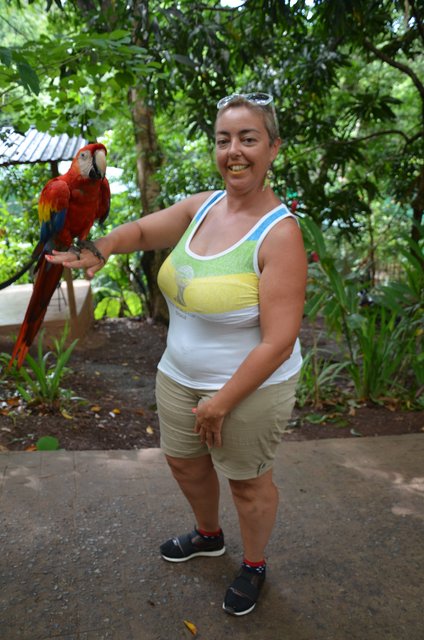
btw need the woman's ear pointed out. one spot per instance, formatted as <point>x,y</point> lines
<point>275,147</point>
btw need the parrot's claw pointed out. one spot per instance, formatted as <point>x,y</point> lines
<point>87,244</point>
<point>76,250</point>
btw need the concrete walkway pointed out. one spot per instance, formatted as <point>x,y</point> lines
<point>79,537</point>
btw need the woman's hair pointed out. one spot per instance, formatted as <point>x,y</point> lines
<point>266,111</point>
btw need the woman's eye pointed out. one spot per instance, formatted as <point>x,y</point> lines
<point>221,143</point>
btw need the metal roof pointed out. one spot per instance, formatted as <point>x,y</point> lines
<point>34,146</point>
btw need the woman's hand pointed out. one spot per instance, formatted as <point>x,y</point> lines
<point>83,259</point>
<point>209,422</point>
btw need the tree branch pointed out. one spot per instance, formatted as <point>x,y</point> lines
<point>397,65</point>
<point>386,132</point>
<point>310,150</point>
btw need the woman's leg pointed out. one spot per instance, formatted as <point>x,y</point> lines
<point>199,483</point>
<point>256,501</point>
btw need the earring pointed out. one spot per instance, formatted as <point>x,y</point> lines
<point>268,177</point>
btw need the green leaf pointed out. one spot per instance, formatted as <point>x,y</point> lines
<point>101,309</point>
<point>47,443</point>
<point>113,308</point>
<point>317,236</point>
<point>133,302</point>
<point>316,418</point>
<point>6,56</point>
<point>28,77</point>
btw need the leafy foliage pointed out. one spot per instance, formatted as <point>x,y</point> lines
<point>381,343</point>
<point>42,381</point>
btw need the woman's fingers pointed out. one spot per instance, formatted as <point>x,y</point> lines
<point>85,260</point>
<point>209,431</point>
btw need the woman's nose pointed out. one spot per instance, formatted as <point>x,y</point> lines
<point>234,148</point>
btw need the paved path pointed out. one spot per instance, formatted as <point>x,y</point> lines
<point>79,537</point>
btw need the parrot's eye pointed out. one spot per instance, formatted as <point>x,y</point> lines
<point>84,155</point>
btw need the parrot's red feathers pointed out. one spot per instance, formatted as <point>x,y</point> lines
<point>54,197</point>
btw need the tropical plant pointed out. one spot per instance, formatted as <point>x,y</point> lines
<point>384,349</point>
<point>320,379</point>
<point>381,343</point>
<point>40,379</point>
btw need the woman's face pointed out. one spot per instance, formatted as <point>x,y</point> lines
<point>243,150</point>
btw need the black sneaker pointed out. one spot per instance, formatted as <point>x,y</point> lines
<point>189,545</point>
<point>243,592</point>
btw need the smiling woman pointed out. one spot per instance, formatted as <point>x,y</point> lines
<point>235,285</point>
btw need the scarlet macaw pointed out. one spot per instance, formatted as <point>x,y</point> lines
<point>67,209</point>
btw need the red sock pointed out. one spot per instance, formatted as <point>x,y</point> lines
<point>254,565</point>
<point>209,534</point>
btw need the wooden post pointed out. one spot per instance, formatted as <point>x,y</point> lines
<point>72,303</point>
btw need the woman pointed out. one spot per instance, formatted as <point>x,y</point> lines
<point>235,286</point>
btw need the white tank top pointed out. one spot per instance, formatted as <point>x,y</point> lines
<point>213,306</point>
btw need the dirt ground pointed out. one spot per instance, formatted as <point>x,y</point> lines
<point>113,402</point>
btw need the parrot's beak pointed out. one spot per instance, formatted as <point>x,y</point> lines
<point>98,170</point>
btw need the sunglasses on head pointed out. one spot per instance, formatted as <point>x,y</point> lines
<point>261,99</point>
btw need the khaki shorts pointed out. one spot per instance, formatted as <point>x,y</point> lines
<point>250,433</point>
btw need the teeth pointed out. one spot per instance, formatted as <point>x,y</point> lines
<point>238,167</point>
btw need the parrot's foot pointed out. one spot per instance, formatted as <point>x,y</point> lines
<point>76,250</point>
<point>87,244</point>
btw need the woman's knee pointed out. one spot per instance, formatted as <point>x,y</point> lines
<point>193,469</point>
<point>261,488</point>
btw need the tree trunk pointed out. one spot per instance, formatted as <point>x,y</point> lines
<point>418,207</point>
<point>148,161</point>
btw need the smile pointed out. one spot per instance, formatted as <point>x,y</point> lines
<point>236,168</point>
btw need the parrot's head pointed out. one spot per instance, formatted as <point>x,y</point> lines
<point>90,161</point>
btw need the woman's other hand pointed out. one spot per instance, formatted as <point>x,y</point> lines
<point>209,422</point>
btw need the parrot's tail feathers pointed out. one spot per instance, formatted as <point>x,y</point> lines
<point>18,354</point>
<point>45,285</point>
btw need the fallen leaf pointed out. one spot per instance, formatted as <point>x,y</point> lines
<point>95,408</point>
<point>4,412</point>
<point>352,411</point>
<point>6,429</point>
<point>47,443</point>
<point>12,401</point>
<point>31,447</point>
<point>3,448</point>
<point>355,433</point>
<point>66,415</point>
<point>116,411</point>
<point>191,627</point>
<point>139,412</point>
<point>149,430</point>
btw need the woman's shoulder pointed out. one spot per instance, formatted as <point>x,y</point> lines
<point>198,200</point>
